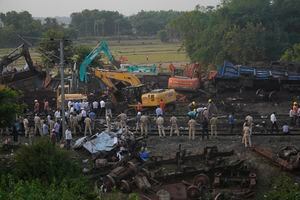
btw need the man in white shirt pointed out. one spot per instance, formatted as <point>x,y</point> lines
<point>274,122</point>
<point>57,115</point>
<point>68,134</point>
<point>102,107</point>
<point>95,105</point>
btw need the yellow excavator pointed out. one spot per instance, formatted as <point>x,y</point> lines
<point>134,90</point>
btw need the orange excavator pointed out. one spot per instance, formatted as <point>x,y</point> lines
<point>190,81</point>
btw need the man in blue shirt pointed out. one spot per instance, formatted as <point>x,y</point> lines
<point>158,111</point>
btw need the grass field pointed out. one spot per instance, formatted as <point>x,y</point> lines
<point>136,51</point>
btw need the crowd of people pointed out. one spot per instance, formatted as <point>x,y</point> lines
<point>81,116</point>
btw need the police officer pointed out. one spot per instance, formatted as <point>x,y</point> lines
<point>174,125</point>
<point>160,126</point>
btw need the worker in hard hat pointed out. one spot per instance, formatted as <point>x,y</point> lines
<point>211,108</point>
<point>192,106</point>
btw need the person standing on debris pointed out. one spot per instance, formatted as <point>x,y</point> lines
<point>138,121</point>
<point>144,125</point>
<point>46,106</point>
<point>56,128</point>
<point>249,120</point>
<point>160,126</point>
<point>192,128</point>
<point>68,135</point>
<point>162,105</point>
<point>102,107</point>
<point>158,111</point>
<point>95,106</point>
<point>246,135</point>
<point>205,128</point>
<point>87,127</point>
<point>274,122</point>
<point>51,123</point>
<point>285,128</point>
<point>292,117</point>
<point>123,120</point>
<point>108,106</point>
<point>57,115</point>
<point>108,123</point>
<point>26,126</point>
<point>192,106</point>
<point>139,107</point>
<point>174,125</point>
<point>15,132</point>
<point>45,129</point>
<point>211,108</point>
<point>92,115</point>
<point>36,108</point>
<point>37,125</point>
<point>213,126</point>
<point>294,112</point>
<point>53,137</point>
<point>205,113</point>
<point>231,122</point>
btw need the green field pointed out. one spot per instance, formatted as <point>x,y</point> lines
<point>136,51</point>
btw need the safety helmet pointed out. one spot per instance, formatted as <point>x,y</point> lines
<point>209,100</point>
<point>295,103</point>
<point>193,102</point>
<point>139,113</point>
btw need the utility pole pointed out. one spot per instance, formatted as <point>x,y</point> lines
<point>63,122</point>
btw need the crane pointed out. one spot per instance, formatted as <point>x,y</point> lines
<point>20,51</point>
<point>101,47</point>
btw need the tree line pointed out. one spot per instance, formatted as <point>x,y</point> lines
<point>242,31</point>
<point>83,24</point>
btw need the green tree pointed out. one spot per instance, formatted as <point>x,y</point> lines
<point>49,46</point>
<point>292,54</point>
<point>46,162</point>
<point>242,31</point>
<point>9,106</point>
<point>163,35</point>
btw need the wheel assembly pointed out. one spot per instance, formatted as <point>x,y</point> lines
<point>201,180</point>
<point>193,192</point>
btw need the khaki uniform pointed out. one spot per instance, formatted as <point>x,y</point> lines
<point>37,125</point>
<point>174,126</point>
<point>249,120</point>
<point>123,119</point>
<point>246,136</point>
<point>160,126</point>
<point>51,125</point>
<point>74,124</point>
<point>144,124</point>
<point>87,127</point>
<point>26,126</point>
<point>192,128</point>
<point>213,126</point>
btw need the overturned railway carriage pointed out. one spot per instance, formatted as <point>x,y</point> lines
<point>268,79</point>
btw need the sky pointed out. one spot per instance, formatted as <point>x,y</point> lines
<point>52,8</point>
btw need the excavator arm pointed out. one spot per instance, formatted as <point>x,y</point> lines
<point>101,47</point>
<point>106,77</point>
<point>20,51</point>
